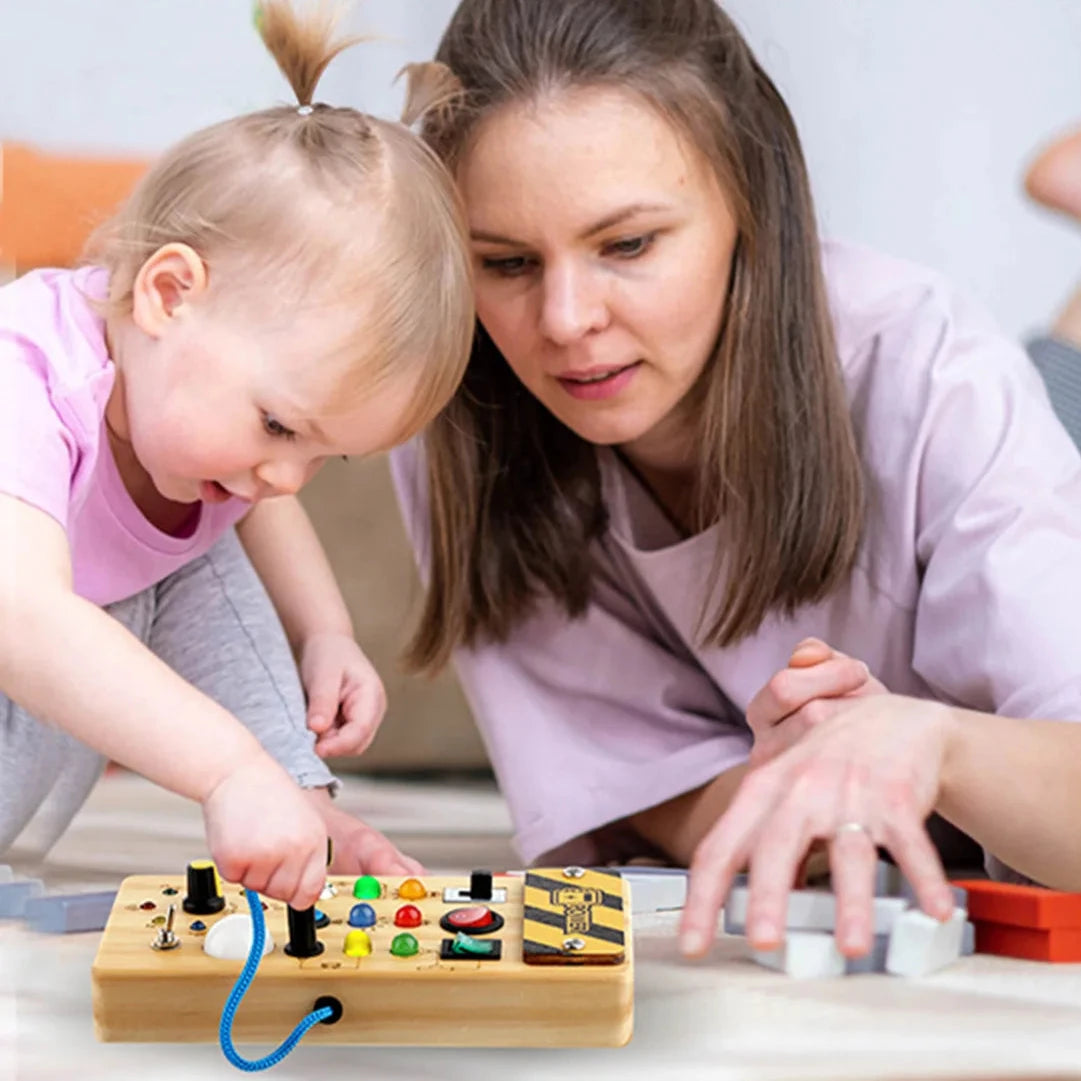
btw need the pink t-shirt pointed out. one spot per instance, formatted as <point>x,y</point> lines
<point>55,378</point>
<point>967,588</point>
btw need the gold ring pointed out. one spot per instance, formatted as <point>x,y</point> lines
<point>850,827</point>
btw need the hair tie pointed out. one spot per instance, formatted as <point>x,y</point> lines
<point>304,110</point>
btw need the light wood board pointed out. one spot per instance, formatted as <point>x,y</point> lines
<point>144,995</point>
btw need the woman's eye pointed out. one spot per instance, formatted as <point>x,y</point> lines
<point>510,267</point>
<point>276,428</point>
<point>631,247</point>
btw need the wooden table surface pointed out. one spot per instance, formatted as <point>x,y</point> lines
<point>722,1018</point>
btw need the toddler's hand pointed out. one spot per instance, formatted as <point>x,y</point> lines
<point>265,834</point>
<point>803,695</point>
<point>359,849</point>
<point>346,700</point>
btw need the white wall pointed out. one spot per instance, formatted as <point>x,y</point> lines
<point>917,115</point>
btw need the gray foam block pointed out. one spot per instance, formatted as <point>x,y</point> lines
<point>66,913</point>
<point>875,961</point>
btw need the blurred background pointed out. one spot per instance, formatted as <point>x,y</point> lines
<point>917,116</point>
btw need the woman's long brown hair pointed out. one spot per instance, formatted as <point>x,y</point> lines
<point>514,495</point>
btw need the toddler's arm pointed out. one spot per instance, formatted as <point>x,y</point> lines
<point>286,552</point>
<point>67,662</point>
<point>346,699</point>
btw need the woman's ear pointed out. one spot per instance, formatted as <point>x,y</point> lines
<point>172,277</point>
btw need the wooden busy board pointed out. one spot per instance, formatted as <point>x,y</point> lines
<point>563,976</point>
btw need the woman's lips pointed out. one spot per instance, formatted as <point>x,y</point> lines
<point>598,384</point>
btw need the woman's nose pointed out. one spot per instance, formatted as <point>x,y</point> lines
<point>573,304</point>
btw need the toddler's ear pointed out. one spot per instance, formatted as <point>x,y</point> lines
<point>170,278</point>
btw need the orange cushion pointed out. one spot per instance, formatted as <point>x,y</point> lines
<point>50,203</point>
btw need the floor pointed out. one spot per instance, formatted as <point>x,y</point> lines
<point>723,1018</point>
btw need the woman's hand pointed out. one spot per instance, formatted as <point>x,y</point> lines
<point>867,776</point>
<point>814,686</point>
<point>346,699</point>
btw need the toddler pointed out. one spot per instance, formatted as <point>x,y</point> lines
<point>280,288</point>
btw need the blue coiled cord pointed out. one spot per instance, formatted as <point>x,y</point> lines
<point>247,974</point>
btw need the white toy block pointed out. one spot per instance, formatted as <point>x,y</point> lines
<point>812,910</point>
<point>920,944</point>
<point>6,874</point>
<point>805,955</point>
<point>656,889</point>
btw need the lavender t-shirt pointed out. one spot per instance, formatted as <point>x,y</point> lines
<point>967,587</point>
<point>55,378</point>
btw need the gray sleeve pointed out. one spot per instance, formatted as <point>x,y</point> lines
<point>1059,363</point>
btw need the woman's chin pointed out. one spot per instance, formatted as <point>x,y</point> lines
<point>604,427</point>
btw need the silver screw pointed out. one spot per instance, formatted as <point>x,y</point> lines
<point>165,939</point>
<point>573,872</point>
<point>574,944</point>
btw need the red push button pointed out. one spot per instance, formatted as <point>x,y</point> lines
<point>408,916</point>
<point>467,919</point>
<point>476,919</point>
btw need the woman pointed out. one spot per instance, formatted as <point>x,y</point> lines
<point>690,436</point>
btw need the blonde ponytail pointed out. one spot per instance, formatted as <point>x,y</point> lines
<point>302,45</point>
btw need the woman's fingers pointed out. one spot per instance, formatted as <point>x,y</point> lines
<point>791,689</point>
<point>912,848</point>
<point>809,652</point>
<point>720,856</point>
<point>852,873</point>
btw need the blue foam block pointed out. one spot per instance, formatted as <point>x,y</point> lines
<point>60,914</point>
<point>15,895</point>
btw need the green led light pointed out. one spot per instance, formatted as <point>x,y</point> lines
<point>403,946</point>
<point>367,887</point>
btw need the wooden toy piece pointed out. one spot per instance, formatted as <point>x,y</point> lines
<point>805,955</point>
<point>1058,944</point>
<point>66,913</point>
<point>1021,906</point>
<point>920,944</point>
<point>468,986</point>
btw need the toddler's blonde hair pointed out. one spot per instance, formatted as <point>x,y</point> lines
<point>310,207</point>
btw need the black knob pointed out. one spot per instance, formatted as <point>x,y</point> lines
<point>204,897</point>
<point>302,940</point>
<point>480,885</point>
